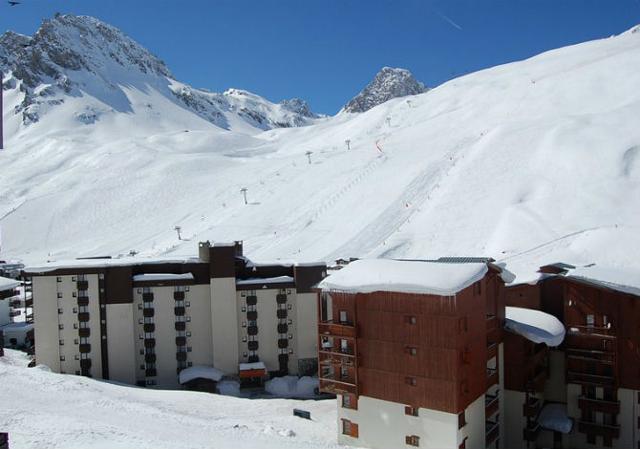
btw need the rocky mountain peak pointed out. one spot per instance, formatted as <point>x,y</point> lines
<point>387,84</point>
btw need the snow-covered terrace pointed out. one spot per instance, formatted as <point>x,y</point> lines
<point>8,284</point>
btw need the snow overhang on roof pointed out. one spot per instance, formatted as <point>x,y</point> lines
<point>83,264</point>
<point>265,281</point>
<point>534,325</point>
<point>622,280</point>
<point>155,277</point>
<point>8,284</point>
<point>200,372</point>
<point>421,277</point>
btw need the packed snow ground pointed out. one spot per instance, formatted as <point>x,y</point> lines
<point>43,409</point>
<point>532,162</point>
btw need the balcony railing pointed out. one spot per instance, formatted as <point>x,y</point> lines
<point>83,316</point>
<point>147,297</point>
<point>343,330</point>
<point>492,431</point>
<point>82,285</point>
<point>591,331</point>
<point>337,387</point>
<point>492,350</point>
<point>589,379</point>
<point>591,355</point>
<point>599,429</point>
<point>491,405</point>
<point>530,433</point>
<point>85,364</point>
<point>598,405</point>
<point>178,296</point>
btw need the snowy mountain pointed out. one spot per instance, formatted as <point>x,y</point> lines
<point>387,84</point>
<point>78,56</point>
<point>532,162</point>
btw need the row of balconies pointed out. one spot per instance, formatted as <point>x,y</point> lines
<point>599,405</point>
<point>603,430</point>
<point>492,431</point>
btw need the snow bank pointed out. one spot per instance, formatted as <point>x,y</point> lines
<point>273,280</point>
<point>252,366</point>
<point>153,277</point>
<point>554,417</point>
<point>200,372</point>
<point>107,262</point>
<point>229,388</point>
<point>370,275</point>
<point>534,325</point>
<point>292,387</point>
<point>8,284</point>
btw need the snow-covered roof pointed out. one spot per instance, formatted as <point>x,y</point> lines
<point>534,325</point>
<point>16,328</point>
<point>200,372</point>
<point>554,417</point>
<point>265,281</point>
<point>252,366</point>
<point>370,275</point>
<point>154,277</point>
<point>106,262</point>
<point>8,284</point>
<point>620,279</point>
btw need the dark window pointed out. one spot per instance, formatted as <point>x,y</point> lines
<point>411,411</point>
<point>411,350</point>
<point>462,420</point>
<point>408,319</point>
<point>411,381</point>
<point>349,401</point>
<point>412,440</point>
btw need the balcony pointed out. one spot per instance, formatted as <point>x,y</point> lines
<point>28,302</point>
<point>281,314</point>
<point>180,325</point>
<point>150,358</point>
<point>84,332</point>
<point>252,300</point>
<point>283,343</point>
<point>181,341</point>
<point>337,387</point>
<point>16,303</point>
<point>149,342</point>
<point>83,301</point>
<point>149,327</point>
<point>599,405</point>
<point>179,311</point>
<point>492,431</point>
<point>82,285</point>
<point>85,364</point>
<point>343,330</point>
<point>603,430</point>
<point>253,345</point>
<point>181,356</point>
<point>492,377</point>
<point>252,315</point>
<point>530,433</point>
<point>148,312</point>
<point>591,355</point>
<point>590,379</point>
<point>83,317</point>
<point>283,359</point>
<point>178,296</point>
<point>281,299</point>
<point>491,405</point>
<point>147,297</point>
<point>252,330</point>
<point>531,407</point>
<point>84,348</point>
<point>151,372</point>
<point>283,328</point>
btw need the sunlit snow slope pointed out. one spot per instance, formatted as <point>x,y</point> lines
<point>530,162</point>
<point>43,409</point>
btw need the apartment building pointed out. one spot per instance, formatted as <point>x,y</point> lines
<point>591,381</point>
<point>143,321</point>
<point>7,294</point>
<point>414,352</point>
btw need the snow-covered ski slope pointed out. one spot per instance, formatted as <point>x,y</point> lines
<point>47,410</point>
<point>530,162</point>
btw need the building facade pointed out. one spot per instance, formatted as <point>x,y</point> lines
<point>413,350</point>
<point>143,321</point>
<point>593,377</point>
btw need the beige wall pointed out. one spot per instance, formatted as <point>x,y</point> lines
<point>555,388</point>
<point>307,318</point>
<point>224,328</point>
<point>121,343</point>
<point>384,425</point>
<point>5,309</point>
<point>45,314</point>
<point>201,341</point>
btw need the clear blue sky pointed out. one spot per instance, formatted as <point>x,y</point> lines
<point>325,51</point>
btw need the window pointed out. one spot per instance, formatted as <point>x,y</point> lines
<point>187,303</point>
<point>189,349</point>
<point>289,322</point>
<point>244,339</point>
<point>188,334</point>
<point>349,428</point>
<point>243,308</point>
<point>189,363</point>
<point>60,311</point>
<point>77,357</point>
<point>591,320</point>
<point>411,411</point>
<point>75,325</point>
<point>244,354</point>
<point>411,350</point>
<point>412,440</point>
<point>290,351</point>
<point>75,341</point>
<point>462,420</point>
<point>411,381</point>
<point>74,294</point>
<point>408,319</point>
<point>244,324</point>
<point>349,401</point>
<point>101,276</point>
<point>343,316</point>
<point>344,345</point>
<point>290,337</point>
<point>62,358</point>
<point>75,310</point>
<point>61,342</point>
<point>73,279</point>
<point>60,326</point>
<point>289,306</point>
<point>59,295</point>
<point>188,319</point>
<point>146,289</point>
<point>141,336</point>
<point>139,306</point>
<point>58,279</point>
